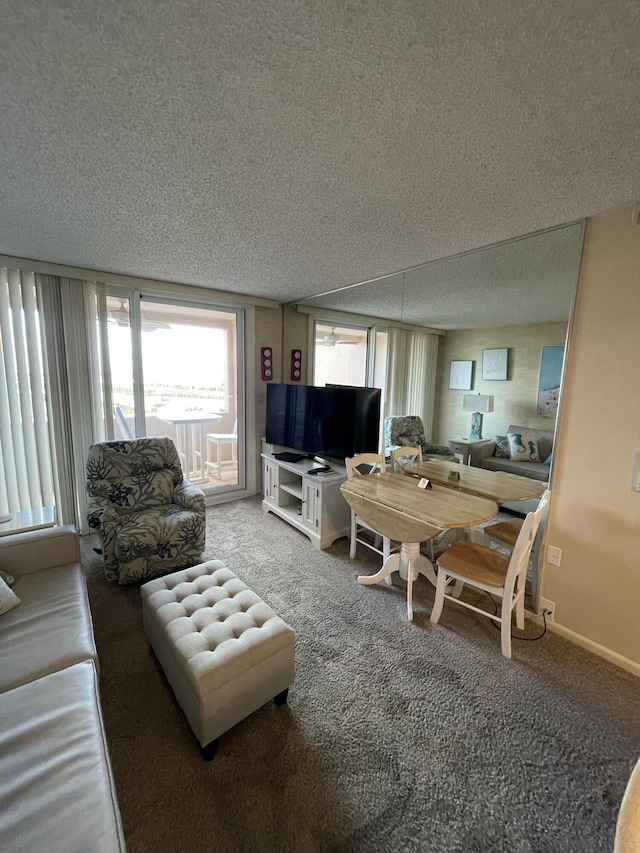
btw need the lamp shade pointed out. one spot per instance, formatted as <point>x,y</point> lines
<point>477,403</point>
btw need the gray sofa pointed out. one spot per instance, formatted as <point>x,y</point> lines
<point>57,791</point>
<point>483,456</point>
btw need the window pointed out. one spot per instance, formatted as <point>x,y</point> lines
<point>174,371</point>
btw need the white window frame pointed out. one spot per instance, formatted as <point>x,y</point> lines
<point>246,413</point>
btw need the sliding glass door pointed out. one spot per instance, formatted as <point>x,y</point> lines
<point>175,369</point>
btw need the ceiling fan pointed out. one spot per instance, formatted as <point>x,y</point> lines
<point>121,318</point>
<point>332,340</point>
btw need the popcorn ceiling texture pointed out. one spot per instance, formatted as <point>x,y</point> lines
<point>284,149</point>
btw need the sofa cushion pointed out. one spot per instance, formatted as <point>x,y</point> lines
<point>8,598</point>
<point>57,789</point>
<point>523,447</point>
<point>50,630</point>
<point>544,438</point>
<point>534,470</point>
<point>157,541</point>
<point>36,550</point>
<point>502,450</point>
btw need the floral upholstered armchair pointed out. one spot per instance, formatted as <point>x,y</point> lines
<point>149,519</point>
<point>408,431</point>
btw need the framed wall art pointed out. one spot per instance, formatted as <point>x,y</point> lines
<point>495,363</point>
<point>461,375</point>
<point>549,382</point>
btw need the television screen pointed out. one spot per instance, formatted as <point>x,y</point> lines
<point>333,421</point>
<point>288,410</point>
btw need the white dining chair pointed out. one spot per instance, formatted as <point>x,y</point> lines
<point>362,465</point>
<point>506,532</point>
<point>402,457</point>
<point>498,574</point>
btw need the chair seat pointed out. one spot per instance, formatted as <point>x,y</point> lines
<point>438,457</point>
<point>158,540</point>
<point>506,531</point>
<point>476,562</point>
<point>135,525</point>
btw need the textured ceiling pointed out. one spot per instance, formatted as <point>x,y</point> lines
<point>283,149</point>
<point>530,280</point>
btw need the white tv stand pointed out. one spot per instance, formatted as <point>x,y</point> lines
<point>311,503</point>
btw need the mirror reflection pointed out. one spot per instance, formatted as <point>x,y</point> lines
<point>473,344</point>
<point>527,280</point>
<point>498,316</point>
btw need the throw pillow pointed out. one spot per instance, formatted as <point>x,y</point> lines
<point>502,447</point>
<point>8,598</point>
<point>549,459</point>
<point>8,579</point>
<point>523,447</point>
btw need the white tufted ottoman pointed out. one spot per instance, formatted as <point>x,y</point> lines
<point>223,650</point>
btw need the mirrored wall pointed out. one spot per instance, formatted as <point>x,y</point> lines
<point>530,279</point>
<point>514,298</point>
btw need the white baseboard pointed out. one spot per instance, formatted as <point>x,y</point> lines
<point>602,651</point>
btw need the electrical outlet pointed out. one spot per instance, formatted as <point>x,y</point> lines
<point>548,607</point>
<point>554,555</point>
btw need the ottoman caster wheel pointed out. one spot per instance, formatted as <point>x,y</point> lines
<point>281,698</point>
<point>208,752</point>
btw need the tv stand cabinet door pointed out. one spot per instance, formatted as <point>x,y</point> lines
<point>270,486</point>
<point>310,504</point>
<point>332,510</point>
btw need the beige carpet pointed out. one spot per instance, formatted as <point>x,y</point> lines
<point>396,737</point>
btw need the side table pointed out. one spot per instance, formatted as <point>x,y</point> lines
<point>28,519</point>
<point>462,447</point>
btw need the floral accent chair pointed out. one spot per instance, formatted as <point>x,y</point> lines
<point>149,519</point>
<point>408,431</point>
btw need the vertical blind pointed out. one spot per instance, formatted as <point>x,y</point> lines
<point>26,479</point>
<point>411,375</point>
<point>421,380</point>
<point>70,308</point>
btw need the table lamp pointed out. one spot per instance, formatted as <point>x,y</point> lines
<point>479,404</point>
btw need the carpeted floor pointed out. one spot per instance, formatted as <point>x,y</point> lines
<point>397,736</point>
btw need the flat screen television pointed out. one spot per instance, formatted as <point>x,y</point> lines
<point>332,422</point>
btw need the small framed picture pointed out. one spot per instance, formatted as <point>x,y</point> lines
<point>495,363</point>
<point>461,375</point>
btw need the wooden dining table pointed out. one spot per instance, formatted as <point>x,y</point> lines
<point>394,506</point>
<point>498,486</point>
